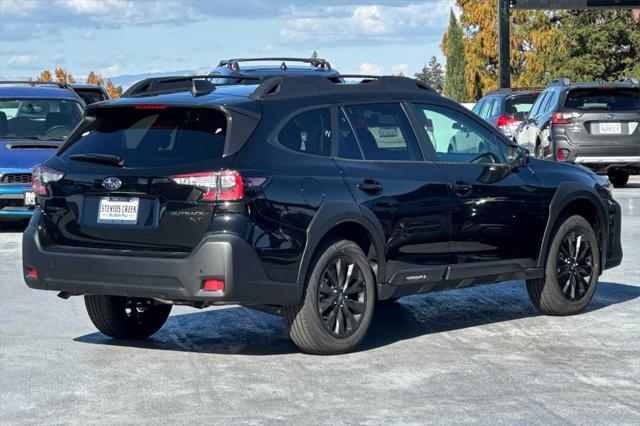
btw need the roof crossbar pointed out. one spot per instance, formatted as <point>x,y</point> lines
<point>233,64</point>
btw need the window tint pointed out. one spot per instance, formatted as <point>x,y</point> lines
<point>308,132</point>
<point>347,143</point>
<point>495,108</point>
<point>604,99</point>
<point>383,132</point>
<point>151,138</point>
<point>456,137</point>
<point>536,106</point>
<point>477,107</point>
<point>485,109</point>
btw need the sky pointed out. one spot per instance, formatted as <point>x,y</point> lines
<point>117,37</point>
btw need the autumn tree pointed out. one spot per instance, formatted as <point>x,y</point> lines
<point>94,78</point>
<point>44,77</point>
<point>432,74</point>
<point>113,90</point>
<point>454,80</point>
<point>62,76</point>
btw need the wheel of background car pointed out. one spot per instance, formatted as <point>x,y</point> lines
<point>338,306</point>
<point>571,271</point>
<point>489,156</point>
<point>58,131</point>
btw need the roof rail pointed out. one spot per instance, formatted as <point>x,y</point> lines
<point>631,80</point>
<point>290,86</point>
<point>197,84</point>
<point>562,81</point>
<point>515,89</point>
<point>233,64</point>
<point>33,83</point>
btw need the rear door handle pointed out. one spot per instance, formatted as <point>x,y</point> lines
<point>370,186</point>
<point>461,189</point>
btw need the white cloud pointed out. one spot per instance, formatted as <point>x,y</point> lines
<point>369,20</point>
<point>369,68</point>
<point>399,68</point>
<point>18,60</point>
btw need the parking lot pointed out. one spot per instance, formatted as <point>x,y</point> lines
<point>480,355</point>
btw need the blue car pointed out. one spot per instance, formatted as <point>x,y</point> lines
<point>34,120</point>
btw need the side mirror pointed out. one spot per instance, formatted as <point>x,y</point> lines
<point>517,157</point>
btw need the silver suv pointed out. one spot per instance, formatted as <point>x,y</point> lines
<point>593,124</point>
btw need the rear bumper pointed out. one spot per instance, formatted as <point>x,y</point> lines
<point>599,157</point>
<point>219,256</point>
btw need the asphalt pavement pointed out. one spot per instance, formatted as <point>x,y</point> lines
<point>481,355</point>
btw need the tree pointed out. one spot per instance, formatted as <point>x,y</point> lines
<point>432,74</point>
<point>45,76</point>
<point>454,80</point>
<point>62,76</point>
<point>314,55</point>
<point>93,78</point>
<point>113,90</point>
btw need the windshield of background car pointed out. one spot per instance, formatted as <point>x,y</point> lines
<point>604,99</point>
<point>153,138</point>
<point>33,118</point>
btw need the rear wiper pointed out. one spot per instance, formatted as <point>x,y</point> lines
<point>99,158</point>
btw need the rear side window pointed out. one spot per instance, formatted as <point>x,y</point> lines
<point>308,132</point>
<point>151,138</point>
<point>477,107</point>
<point>383,132</point>
<point>603,99</point>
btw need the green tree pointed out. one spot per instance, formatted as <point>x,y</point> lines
<point>454,80</point>
<point>601,44</point>
<point>314,55</point>
<point>432,74</point>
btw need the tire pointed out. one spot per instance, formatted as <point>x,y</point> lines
<point>333,331</point>
<point>618,179</point>
<point>125,318</point>
<point>561,291</point>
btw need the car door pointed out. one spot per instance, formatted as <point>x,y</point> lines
<point>496,211</point>
<point>384,168</point>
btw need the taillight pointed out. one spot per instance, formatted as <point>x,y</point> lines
<point>506,121</point>
<point>41,176</point>
<point>564,117</point>
<point>562,154</point>
<point>217,186</point>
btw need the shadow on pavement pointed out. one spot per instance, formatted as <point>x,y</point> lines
<point>15,226</point>
<point>240,330</point>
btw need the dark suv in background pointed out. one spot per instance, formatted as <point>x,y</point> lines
<point>593,124</point>
<point>309,197</point>
<point>506,109</point>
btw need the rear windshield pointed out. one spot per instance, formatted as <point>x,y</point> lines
<point>604,99</point>
<point>520,103</point>
<point>154,138</point>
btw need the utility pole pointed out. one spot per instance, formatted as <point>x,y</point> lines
<point>504,65</point>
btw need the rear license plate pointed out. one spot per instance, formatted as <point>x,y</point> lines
<point>610,128</point>
<point>29,198</point>
<point>118,210</point>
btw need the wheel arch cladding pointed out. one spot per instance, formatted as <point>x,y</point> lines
<point>343,220</point>
<point>576,198</point>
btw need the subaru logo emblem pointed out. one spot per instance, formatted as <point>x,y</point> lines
<point>611,116</point>
<point>112,183</point>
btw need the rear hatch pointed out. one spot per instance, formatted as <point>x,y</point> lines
<point>601,116</point>
<point>137,178</point>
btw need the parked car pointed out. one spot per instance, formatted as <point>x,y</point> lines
<point>506,108</point>
<point>91,93</point>
<point>34,120</point>
<point>592,124</point>
<point>309,197</point>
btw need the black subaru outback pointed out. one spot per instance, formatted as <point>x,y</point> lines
<point>313,197</point>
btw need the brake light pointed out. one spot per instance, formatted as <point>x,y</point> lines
<point>564,117</point>
<point>151,107</point>
<point>506,121</point>
<point>30,273</point>
<point>41,176</point>
<point>562,154</point>
<point>218,186</point>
